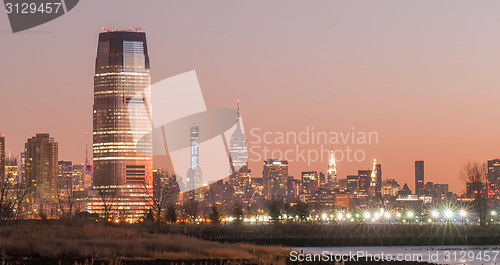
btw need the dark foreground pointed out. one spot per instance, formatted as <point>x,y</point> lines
<point>284,261</point>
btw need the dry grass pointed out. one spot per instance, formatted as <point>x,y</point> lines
<point>101,242</point>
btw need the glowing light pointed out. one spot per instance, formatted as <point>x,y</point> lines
<point>387,215</point>
<point>410,214</point>
<point>448,213</point>
<point>493,213</point>
<point>324,216</point>
<point>349,216</point>
<point>366,215</point>
<point>463,213</point>
<point>435,213</point>
<point>398,214</point>
<point>340,216</point>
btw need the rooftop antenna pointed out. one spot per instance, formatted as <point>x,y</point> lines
<point>86,149</point>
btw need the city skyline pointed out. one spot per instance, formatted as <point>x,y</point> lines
<point>433,85</point>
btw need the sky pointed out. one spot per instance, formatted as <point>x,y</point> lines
<point>422,75</point>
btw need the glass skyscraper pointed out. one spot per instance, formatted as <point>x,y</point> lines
<point>122,165</point>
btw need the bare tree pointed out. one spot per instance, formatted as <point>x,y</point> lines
<point>6,202</point>
<point>475,175</point>
<point>164,193</point>
<point>67,201</point>
<point>108,197</point>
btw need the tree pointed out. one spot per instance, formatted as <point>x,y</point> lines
<point>191,208</point>
<point>6,203</point>
<point>475,175</point>
<point>275,210</point>
<point>171,214</point>
<point>108,200</point>
<point>238,213</point>
<point>302,210</point>
<point>215,215</point>
<point>67,201</point>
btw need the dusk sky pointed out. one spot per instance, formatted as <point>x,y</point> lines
<point>424,75</point>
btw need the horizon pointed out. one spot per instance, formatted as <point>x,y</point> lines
<point>420,75</point>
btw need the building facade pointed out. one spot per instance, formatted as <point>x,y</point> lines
<point>41,157</point>
<point>122,166</point>
<point>419,177</point>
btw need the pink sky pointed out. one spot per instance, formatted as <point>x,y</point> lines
<point>424,75</point>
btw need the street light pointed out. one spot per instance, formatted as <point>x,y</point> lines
<point>410,214</point>
<point>463,213</point>
<point>435,214</point>
<point>448,214</point>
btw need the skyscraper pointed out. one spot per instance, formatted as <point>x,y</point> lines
<point>274,178</point>
<point>41,169</point>
<point>493,178</point>
<point>364,180</point>
<point>2,156</point>
<point>419,177</point>
<point>194,176</point>
<point>122,168</point>
<point>332,171</point>
<point>238,145</point>
<point>375,180</point>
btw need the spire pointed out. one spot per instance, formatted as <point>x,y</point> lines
<point>86,149</point>
<point>332,168</point>
<point>238,110</point>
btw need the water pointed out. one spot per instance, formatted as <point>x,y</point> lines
<point>470,255</point>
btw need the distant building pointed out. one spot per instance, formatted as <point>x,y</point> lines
<point>364,180</point>
<point>238,145</point>
<point>65,177</point>
<point>441,190</point>
<point>42,168</point>
<point>274,177</point>
<point>493,178</point>
<point>352,183</point>
<point>2,156</point>
<point>310,182</point>
<point>429,188</point>
<point>332,171</point>
<point>390,188</point>
<point>194,175</point>
<point>405,191</point>
<point>11,170</point>
<point>419,177</point>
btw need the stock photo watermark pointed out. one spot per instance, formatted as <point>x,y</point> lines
<point>310,145</point>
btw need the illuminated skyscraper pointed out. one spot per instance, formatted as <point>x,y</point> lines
<point>275,177</point>
<point>238,145</point>
<point>332,171</point>
<point>2,156</point>
<point>41,169</point>
<point>493,178</point>
<point>194,177</point>
<point>122,169</point>
<point>419,177</point>
<point>375,180</point>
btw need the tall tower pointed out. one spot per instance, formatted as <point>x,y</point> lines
<point>120,170</point>
<point>373,180</point>
<point>493,178</point>
<point>419,177</point>
<point>41,169</point>
<point>194,177</point>
<point>2,156</point>
<point>238,145</point>
<point>332,171</point>
<point>274,178</point>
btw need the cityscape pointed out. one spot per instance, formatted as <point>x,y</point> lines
<point>121,185</point>
<point>249,133</point>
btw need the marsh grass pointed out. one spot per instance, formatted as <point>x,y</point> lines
<point>112,243</point>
